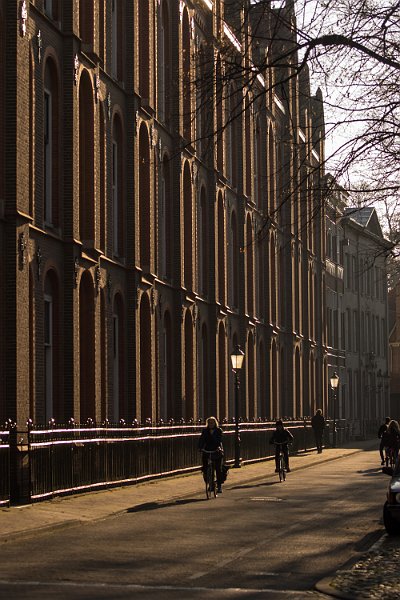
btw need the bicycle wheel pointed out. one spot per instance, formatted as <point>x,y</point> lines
<point>214,482</point>
<point>281,469</point>
<point>208,482</point>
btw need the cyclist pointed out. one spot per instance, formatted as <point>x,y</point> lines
<point>381,431</point>
<point>284,437</point>
<point>391,438</point>
<point>211,440</point>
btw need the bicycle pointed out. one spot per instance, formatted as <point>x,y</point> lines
<point>390,456</point>
<point>211,479</point>
<point>281,462</point>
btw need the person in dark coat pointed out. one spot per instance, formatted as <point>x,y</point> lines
<point>211,440</point>
<point>382,429</point>
<point>318,425</point>
<point>284,437</point>
<point>391,437</point>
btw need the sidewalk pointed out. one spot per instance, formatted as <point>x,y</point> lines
<point>32,519</point>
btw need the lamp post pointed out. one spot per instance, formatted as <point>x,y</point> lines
<point>334,385</point>
<point>237,357</point>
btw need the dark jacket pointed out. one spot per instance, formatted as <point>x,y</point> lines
<point>318,422</point>
<point>382,430</point>
<point>211,441</point>
<point>282,436</point>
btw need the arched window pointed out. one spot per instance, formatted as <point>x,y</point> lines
<point>263,394</point>
<point>144,53</point>
<point>221,250</point>
<point>204,243</point>
<point>51,340</point>
<point>118,330</point>
<point>252,412</point>
<point>86,21</point>
<point>274,381</point>
<point>258,172</point>
<point>186,77</point>
<point>118,186</point>
<point>101,28</point>
<point>203,102</point>
<point>219,108</point>
<point>247,140</point>
<point>144,197</point>
<point>206,406</point>
<point>145,360</point>
<point>165,67</point>
<point>117,39</point>
<point>235,261</point>
<point>271,173</point>
<point>166,354</point>
<point>103,354</point>
<point>87,348</point>
<point>249,266</point>
<point>2,106</point>
<point>86,161</point>
<point>273,282</point>
<point>189,378</point>
<point>188,227</point>
<point>51,144</point>
<point>102,177</point>
<point>222,395</point>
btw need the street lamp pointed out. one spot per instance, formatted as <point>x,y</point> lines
<point>237,357</point>
<point>334,385</point>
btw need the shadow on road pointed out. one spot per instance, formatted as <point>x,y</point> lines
<point>157,505</point>
<point>255,485</point>
<point>371,472</point>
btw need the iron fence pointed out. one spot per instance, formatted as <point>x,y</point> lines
<point>4,468</point>
<point>65,460</point>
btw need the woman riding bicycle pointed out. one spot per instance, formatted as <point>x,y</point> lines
<point>211,440</point>
<point>281,437</point>
<point>391,439</point>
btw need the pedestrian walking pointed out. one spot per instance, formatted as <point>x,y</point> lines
<point>318,425</point>
<point>382,429</point>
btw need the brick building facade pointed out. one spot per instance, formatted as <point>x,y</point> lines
<point>156,210</point>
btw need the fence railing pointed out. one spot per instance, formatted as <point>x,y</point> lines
<point>4,468</point>
<point>68,460</point>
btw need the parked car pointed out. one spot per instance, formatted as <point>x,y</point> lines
<point>391,508</point>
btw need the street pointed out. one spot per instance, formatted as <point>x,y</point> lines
<point>258,539</point>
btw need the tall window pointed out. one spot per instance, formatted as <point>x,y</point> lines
<point>144,56</point>
<point>48,354</point>
<point>51,9</point>
<point>219,109</point>
<point>48,155</point>
<point>188,227</point>
<point>86,160</point>
<point>51,145</point>
<point>186,77</point>
<point>117,188</point>
<point>203,237</point>
<point>249,267</point>
<point>144,197</point>
<point>52,405</point>
<point>86,21</point>
<point>221,250</point>
<point>164,73</point>
<point>235,261</point>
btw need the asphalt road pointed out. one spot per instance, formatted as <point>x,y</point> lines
<point>262,539</point>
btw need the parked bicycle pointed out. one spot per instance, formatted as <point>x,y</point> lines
<point>210,475</point>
